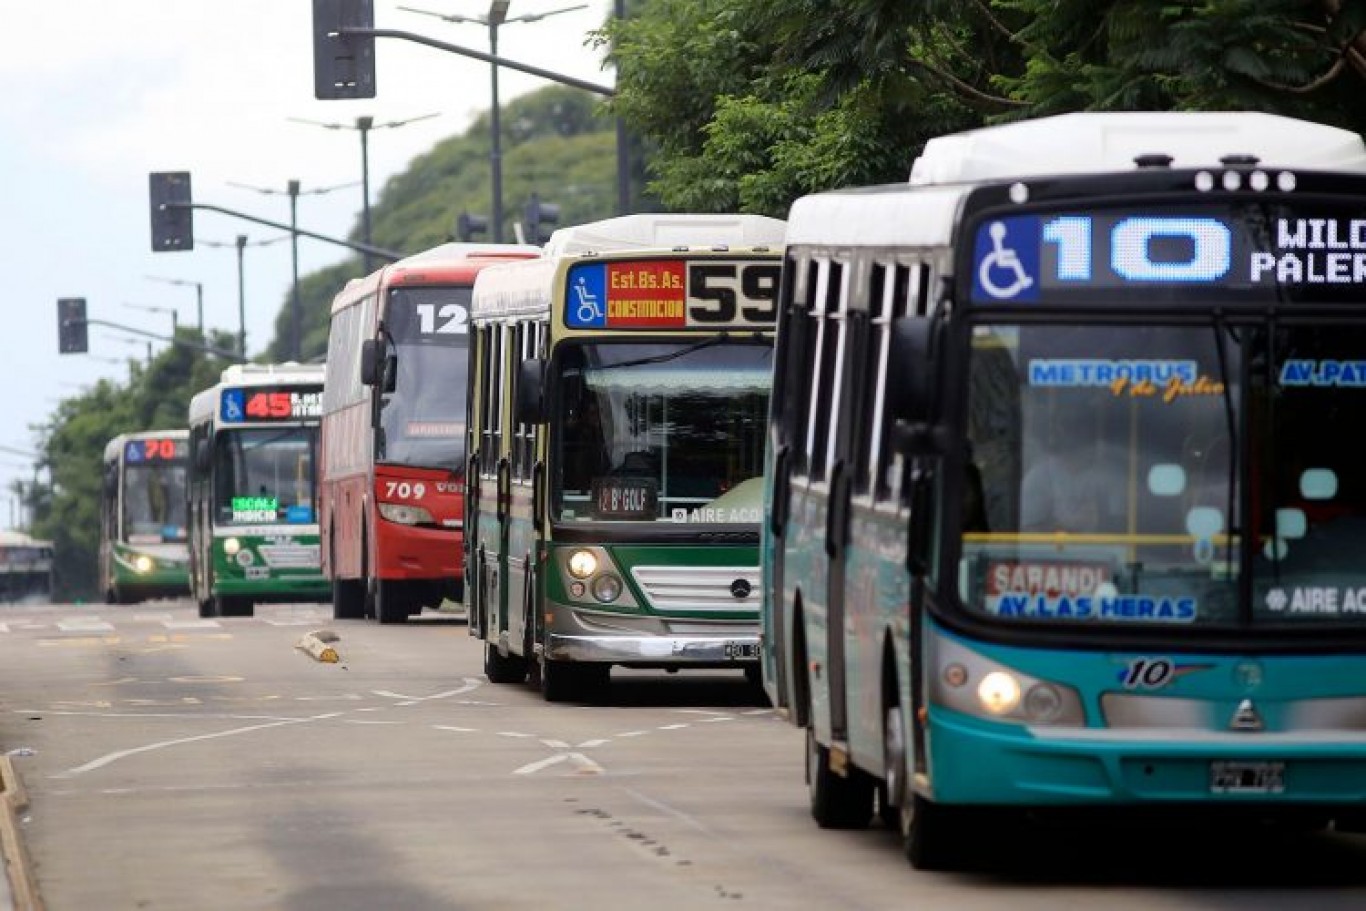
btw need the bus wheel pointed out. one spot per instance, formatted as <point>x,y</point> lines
<point>837,801</point>
<point>391,602</point>
<point>503,669</point>
<point>893,793</point>
<point>208,608</point>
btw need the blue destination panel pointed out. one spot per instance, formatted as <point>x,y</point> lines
<point>1266,250</point>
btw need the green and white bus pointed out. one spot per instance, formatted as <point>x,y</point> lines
<point>1065,519</point>
<point>253,489</point>
<point>618,393</point>
<point>142,517</point>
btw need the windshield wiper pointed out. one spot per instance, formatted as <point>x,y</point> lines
<point>672,355</point>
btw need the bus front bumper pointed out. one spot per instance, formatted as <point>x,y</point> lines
<point>700,651</point>
<point>980,762</point>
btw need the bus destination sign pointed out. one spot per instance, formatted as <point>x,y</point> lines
<point>1258,252</point>
<point>672,294</point>
<point>264,404</point>
<point>137,452</point>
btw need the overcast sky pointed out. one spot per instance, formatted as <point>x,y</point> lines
<point>95,94</point>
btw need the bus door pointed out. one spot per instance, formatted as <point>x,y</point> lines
<point>519,527</point>
<point>494,483</point>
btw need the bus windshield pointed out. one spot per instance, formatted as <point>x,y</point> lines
<point>1106,474</point>
<point>423,419</point>
<point>264,476</point>
<point>154,503</point>
<point>661,431</point>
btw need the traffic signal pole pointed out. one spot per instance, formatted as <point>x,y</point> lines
<point>184,343</point>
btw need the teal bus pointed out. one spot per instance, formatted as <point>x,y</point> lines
<point>618,397</point>
<point>142,517</point>
<point>253,489</point>
<point>1062,515</point>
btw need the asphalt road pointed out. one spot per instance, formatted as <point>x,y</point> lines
<point>176,763</point>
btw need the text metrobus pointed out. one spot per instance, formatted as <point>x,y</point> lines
<point>1059,503</point>
<point>142,517</point>
<point>617,401</point>
<point>253,489</point>
<point>391,486</point>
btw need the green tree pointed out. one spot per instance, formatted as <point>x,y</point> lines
<point>751,104</point>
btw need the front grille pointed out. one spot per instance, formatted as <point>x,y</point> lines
<point>697,588</point>
<point>291,556</point>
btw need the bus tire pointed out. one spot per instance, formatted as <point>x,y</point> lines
<point>208,608</point>
<point>501,668</point>
<point>391,602</point>
<point>837,801</point>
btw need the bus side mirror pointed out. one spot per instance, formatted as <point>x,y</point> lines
<point>910,375</point>
<point>378,365</point>
<point>369,362</point>
<point>530,405</point>
<point>202,459</point>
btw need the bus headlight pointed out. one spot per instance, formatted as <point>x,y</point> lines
<point>404,514</point>
<point>606,588</point>
<point>231,546</point>
<point>968,681</point>
<point>582,564</point>
<point>144,564</point>
<point>999,693</point>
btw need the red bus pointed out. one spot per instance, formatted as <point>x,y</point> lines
<point>391,486</point>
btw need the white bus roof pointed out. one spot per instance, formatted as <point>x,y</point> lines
<point>204,404</point>
<point>1097,142</point>
<point>651,230</point>
<point>922,213</point>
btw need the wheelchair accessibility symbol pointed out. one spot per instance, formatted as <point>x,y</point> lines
<point>234,406</point>
<point>586,297</point>
<point>1007,260</point>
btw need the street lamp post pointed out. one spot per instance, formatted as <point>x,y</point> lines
<point>150,308</point>
<point>363,126</point>
<point>497,15</point>
<point>241,244</point>
<point>198,290</point>
<point>296,304</point>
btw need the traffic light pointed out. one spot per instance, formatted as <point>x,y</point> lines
<point>467,225</point>
<point>72,330</point>
<point>172,214</point>
<point>538,219</point>
<point>343,66</point>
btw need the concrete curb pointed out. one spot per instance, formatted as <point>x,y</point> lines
<point>13,801</point>
<point>316,645</point>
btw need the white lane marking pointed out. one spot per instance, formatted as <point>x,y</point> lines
<point>672,727</point>
<point>302,621</point>
<point>84,625</point>
<point>144,618</point>
<point>582,763</point>
<point>458,730</point>
<point>532,768</point>
<point>469,683</point>
<point>714,720</point>
<point>591,743</point>
<point>759,712</point>
<point>4,627</point>
<point>556,744</point>
<point>632,734</point>
<point>700,712</point>
<point>179,716</point>
<point>109,758</point>
<point>390,695</point>
<point>516,734</point>
<point>192,624</point>
<point>370,721</point>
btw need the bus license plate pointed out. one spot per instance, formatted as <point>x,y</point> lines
<point>741,650</point>
<point>1247,777</point>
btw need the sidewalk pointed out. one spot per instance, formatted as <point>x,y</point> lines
<point>14,871</point>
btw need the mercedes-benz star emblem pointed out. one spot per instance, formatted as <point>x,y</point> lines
<point>740,588</point>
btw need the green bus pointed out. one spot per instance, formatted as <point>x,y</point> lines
<point>253,489</point>
<point>616,429</point>
<point>142,517</point>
